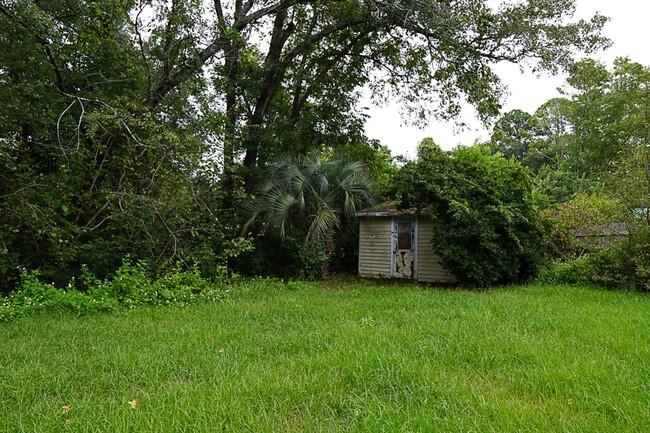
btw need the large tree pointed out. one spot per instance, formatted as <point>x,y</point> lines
<point>287,59</point>
<point>87,172</point>
<point>514,135</point>
<point>629,179</point>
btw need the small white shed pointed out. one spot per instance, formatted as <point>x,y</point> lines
<point>397,244</point>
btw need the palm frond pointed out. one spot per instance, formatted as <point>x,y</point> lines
<point>321,224</point>
<point>309,192</point>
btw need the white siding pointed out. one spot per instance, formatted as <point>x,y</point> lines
<point>428,263</point>
<point>374,247</point>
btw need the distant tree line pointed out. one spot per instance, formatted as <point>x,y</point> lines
<point>589,152</point>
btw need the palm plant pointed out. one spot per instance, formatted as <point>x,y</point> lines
<point>306,196</point>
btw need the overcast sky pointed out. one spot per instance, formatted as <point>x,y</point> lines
<point>628,30</point>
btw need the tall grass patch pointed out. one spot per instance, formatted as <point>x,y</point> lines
<point>307,357</point>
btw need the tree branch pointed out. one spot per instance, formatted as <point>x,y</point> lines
<point>303,46</point>
<point>44,43</point>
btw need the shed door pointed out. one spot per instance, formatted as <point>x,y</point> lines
<point>403,249</point>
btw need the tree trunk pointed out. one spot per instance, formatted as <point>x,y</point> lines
<point>273,73</point>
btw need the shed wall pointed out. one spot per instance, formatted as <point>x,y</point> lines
<point>428,264</point>
<point>375,247</point>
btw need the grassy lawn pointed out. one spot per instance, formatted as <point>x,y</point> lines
<point>315,358</point>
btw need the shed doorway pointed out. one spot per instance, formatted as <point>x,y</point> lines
<point>403,249</point>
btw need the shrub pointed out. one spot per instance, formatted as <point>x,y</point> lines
<point>313,259</point>
<point>603,268</point>
<point>624,265</point>
<point>132,286</point>
<point>130,280</point>
<point>488,231</point>
<point>589,214</point>
<point>182,287</point>
<point>34,295</point>
<point>290,258</point>
<point>639,257</point>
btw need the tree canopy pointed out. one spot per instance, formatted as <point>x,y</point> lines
<point>593,140</point>
<point>138,126</point>
<point>297,66</point>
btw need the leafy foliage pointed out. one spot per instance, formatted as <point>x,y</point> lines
<point>305,197</point>
<point>592,142</point>
<point>589,214</point>
<point>377,161</point>
<point>305,211</point>
<point>137,127</point>
<point>132,286</point>
<point>513,135</point>
<point>488,231</point>
<point>89,172</point>
<point>590,154</point>
<point>625,265</point>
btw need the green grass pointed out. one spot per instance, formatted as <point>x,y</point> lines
<point>367,359</point>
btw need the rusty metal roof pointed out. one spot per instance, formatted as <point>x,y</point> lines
<point>611,229</point>
<point>387,208</point>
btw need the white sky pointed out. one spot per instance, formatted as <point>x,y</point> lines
<point>628,29</point>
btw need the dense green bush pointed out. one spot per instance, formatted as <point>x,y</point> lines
<point>304,216</point>
<point>605,268</point>
<point>132,286</point>
<point>640,258</point>
<point>488,230</point>
<point>286,258</point>
<point>587,213</point>
<point>624,265</point>
<point>34,295</point>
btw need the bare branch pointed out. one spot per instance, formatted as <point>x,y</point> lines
<point>115,111</point>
